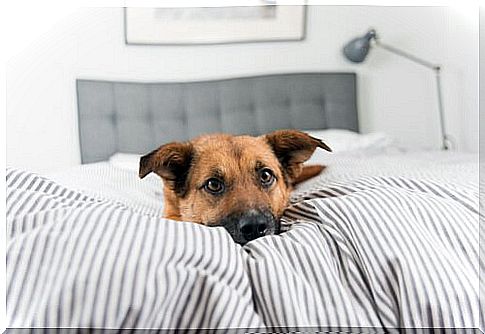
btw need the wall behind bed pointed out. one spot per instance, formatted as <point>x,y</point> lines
<point>395,95</point>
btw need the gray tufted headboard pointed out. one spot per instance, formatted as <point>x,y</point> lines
<point>133,117</point>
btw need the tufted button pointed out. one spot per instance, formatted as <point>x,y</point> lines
<point>113,118</point>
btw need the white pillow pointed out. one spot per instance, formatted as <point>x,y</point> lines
<point>125,161</point>
<point>345,140</point>
<point>338,140</point>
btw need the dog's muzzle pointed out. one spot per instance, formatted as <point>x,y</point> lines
<point>249,225</point>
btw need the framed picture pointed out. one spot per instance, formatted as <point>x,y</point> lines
<point>214,25</point>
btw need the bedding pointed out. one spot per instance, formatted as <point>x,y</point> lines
<point>376,242</point>
<point>341,140</point>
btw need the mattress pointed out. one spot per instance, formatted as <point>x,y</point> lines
<point>377,242</point>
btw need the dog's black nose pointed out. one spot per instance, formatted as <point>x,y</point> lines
<point>253,225</point>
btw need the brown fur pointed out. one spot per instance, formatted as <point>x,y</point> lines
<point>185,168</point>
<point>307,173</point>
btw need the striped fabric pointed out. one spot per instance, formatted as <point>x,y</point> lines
<point>364,254</point>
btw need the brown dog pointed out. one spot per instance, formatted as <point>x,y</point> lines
<point>242,183</point>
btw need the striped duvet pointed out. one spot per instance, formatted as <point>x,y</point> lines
<point>360,253</point>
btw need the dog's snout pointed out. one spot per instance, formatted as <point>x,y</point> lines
<point>250,225</point>
<point>253,226</point>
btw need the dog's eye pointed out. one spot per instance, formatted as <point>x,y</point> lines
<point>266,177</point>
<point>214,186</point>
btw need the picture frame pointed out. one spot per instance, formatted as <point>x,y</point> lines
<point>214,25</point>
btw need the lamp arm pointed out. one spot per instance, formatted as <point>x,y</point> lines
<point>446,141</point>
<point>406,55</point>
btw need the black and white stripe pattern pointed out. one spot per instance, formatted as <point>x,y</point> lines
<point>379,252</point>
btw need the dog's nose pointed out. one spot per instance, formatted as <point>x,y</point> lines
<point>249,225</point>
<point>253,225</point>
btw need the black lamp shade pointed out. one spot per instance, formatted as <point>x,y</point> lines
<point>357,49</point>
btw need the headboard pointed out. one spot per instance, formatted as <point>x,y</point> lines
<point>135,117</point>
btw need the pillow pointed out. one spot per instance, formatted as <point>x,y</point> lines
<point>341,140</point>
<point>127,161</point>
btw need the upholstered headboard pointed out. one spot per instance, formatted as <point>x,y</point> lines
<point>134,117</point>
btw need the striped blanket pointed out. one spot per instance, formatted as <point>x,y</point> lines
<point>358,255</point>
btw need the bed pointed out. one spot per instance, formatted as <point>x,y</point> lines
<point>385,240</point>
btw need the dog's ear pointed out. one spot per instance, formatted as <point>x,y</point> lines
<point>171,162</point>
<point>293,148</point>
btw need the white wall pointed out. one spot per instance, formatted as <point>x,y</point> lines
<point>395,95</point>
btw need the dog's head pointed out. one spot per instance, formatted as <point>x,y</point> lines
<point>242,183</point>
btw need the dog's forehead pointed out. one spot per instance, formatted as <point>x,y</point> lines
<point>226,149</point>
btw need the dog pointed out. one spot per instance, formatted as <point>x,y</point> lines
<point>242,183</point>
